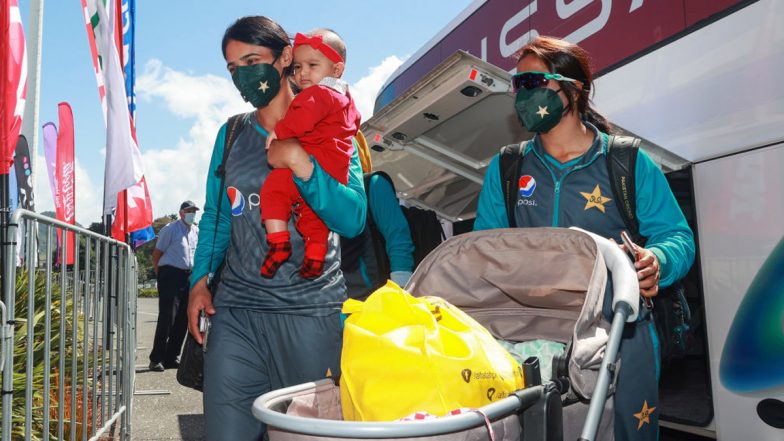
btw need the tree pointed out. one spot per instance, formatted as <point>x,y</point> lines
<point>96,227</point>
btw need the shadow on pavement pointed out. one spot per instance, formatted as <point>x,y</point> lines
<point>191,427</point>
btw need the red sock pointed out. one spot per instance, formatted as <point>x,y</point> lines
<point>313,263</point>
<point>278,251</point>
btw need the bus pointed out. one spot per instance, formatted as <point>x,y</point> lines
<point>699,81</point>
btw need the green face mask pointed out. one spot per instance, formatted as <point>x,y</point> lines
<point>539,109</point>
<point>258,84</point>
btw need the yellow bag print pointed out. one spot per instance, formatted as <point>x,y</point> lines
<point>403,354</point>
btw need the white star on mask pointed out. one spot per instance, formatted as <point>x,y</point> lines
<point>542,111</point>
<point>263,86</point>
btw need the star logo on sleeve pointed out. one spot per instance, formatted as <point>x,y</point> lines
<point>645,415</point>
<point>595,199</point>
<point>263,86</point>
<point>542,111</point>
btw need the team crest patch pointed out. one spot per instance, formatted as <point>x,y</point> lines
<point>595,199</point>
<point>527,185</point>
<point>644,416</point>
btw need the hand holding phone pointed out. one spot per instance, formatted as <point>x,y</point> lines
<point>631,248</point>
<point>204,328</point>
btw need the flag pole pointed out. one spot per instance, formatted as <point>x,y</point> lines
<point>5,282</point>
<point>106,218</point>
<point>107,225</point>
<point>125,218</point>
<point>5,277</point>
<point>118,37</point>
<point>32,103</point>
<point>5,23</point>
<point>5,217</point>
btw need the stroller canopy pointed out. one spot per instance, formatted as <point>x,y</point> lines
<point>529,283</point>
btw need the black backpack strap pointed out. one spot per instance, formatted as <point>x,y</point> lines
<point>621,166</point>
<point>379,243</point>
<point>231,133</point>
<point>380,174</point>
<point>367,178</point>
<point>510,163</point>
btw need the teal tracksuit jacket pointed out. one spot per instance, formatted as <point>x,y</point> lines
<point>578,193</point>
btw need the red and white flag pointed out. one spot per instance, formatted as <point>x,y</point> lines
<point>124,169</point>
<point>13,81</point>
<point>65,172</point>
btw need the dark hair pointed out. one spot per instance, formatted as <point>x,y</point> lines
<point>260,31</point>
<point>570,61</point>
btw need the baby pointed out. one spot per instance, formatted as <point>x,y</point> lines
<point>324,119</point>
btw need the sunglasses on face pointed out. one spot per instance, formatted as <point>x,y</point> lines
<point>532,79</point>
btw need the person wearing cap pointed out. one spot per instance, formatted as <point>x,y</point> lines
<point>172,261</point>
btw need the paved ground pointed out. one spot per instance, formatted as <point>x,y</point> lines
<point>177,415</point>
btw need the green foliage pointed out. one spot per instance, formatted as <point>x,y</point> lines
<point>38,355</point>
<point>148,292</point>
<point>96,227</point>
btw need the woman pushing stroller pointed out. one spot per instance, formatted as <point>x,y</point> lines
<point>564,181</point>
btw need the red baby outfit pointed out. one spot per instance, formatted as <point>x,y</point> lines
<point>324,119</point>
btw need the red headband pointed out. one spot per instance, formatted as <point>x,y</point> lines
<point>317,43</point>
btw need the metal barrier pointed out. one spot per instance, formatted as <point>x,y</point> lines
<point>68,356</point>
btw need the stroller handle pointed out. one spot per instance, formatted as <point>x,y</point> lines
<point>626,287</point>
<point>262,410</point>
<point>606,373</point>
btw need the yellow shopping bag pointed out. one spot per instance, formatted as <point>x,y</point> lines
<point>403,354</point>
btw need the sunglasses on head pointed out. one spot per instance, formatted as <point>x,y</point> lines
<point>532,79</point>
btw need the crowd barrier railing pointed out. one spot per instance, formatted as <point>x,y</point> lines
<point>68,332</point>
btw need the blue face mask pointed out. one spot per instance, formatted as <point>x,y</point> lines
<point>189,218</point>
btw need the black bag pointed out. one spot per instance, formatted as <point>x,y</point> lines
<point>671,313</point>
<point>190,373</point>
<point>673,320</point>
<point>426,231</point>
<point>369,247</point>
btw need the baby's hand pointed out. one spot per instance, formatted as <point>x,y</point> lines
<point>271,137</point>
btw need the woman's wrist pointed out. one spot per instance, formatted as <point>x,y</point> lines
<point>199,283</point>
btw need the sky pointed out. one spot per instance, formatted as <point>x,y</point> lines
<point>183,90</point>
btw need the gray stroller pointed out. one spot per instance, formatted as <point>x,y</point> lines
<point>521,284</point>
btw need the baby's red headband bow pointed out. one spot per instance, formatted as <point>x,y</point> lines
<point>317,43</point>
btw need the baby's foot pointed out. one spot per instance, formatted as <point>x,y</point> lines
<point>313,263</point>
<point>311,268</point>
<point>278,252</point>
